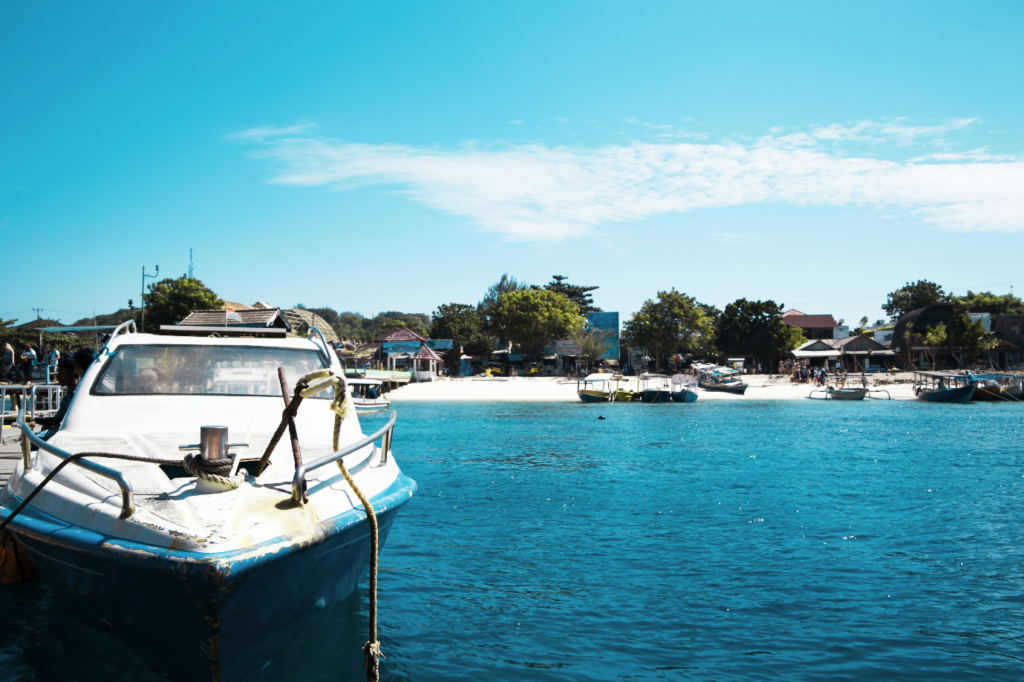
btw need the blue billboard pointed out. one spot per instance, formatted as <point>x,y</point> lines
<point>607,324</point>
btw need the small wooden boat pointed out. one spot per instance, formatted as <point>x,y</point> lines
<point>944,387</point>
<point>998,388</point>
<point>684,389</point>
<point>837,389</point>
<point>718,378</point>
<point>368,395</point>
<point>596,388</point>
<point>655,388</point>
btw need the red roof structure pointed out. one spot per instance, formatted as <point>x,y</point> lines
<point>402,334</point>
<point>795,319</point>
<point>426,353</point>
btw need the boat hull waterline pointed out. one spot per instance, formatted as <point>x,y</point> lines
<point>960,394</point>
<point>231,611</point>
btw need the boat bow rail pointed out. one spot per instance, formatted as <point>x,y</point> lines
<point>385,434</point>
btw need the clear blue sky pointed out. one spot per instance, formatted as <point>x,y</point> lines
<point>379,156</point>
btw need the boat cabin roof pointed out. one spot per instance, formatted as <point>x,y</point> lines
<point>363,382</point>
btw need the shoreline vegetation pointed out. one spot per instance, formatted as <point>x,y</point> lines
<point>562,389</point>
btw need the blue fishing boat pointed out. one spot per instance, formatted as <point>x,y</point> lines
<point>655,388</point>
<point>684,388</point>
<point>206,563</point>
<point>944,387</point>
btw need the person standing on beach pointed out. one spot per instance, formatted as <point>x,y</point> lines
<point>28,359</point>
<point>8,362</point>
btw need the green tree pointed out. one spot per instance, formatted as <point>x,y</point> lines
<point>913,296</point>
<point>755,328</point>
<point>593,344</point>
<point>580,295</point>
<point>533,318</point>
<point>463,324</point>
<point>382,323</point>
<point>987,302</point>
<point>934,339</point>
<point>506,285</point>
<point>673,323</point>
<point>171,300</point>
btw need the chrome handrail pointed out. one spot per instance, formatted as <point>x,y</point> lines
<point>120,329</point>
<point>127,493</point>
<point>324,349</point>
<point>299,479</point>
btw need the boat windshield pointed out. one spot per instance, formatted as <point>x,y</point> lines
<point>205,370</point>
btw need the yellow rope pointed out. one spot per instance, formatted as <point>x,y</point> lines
<point>371,650</point>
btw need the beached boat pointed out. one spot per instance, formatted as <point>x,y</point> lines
<point>655,388</point>
<point>684,388</point>
<point>944,387</point>
<point>596,388</point>
<point>368,395</point>
<point>205,559</point>
<point>718,378</point>
<point>998,388</point>
<point>838,388</point>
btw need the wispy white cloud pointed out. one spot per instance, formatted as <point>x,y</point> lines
<point>538,192</point>
<point>261,133</point>
<point>897,131</point>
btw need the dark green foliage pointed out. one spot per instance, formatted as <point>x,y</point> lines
<point>580,295</point>
<point>987,302</point>
<point>675,323</point>
<point>463,324</point>
<point>505,285</point>
<point>913,296</point>
<point>171,300</point>
<point>755,328</point>
<point>532,318</point>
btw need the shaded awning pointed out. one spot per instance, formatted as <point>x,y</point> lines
<point>58,330</point>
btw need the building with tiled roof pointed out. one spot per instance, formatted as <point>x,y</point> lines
<point>402,334</point>
<point>252,317</point>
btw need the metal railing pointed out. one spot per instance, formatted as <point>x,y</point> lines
<point>385,434</point>
<point>53,393</point>
<point>122,328</point>
<point>325,349</point>
<point>29,438</point>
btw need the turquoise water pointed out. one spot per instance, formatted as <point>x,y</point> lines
<point>727,540</point>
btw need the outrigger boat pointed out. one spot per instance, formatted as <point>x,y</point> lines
<point>205,565</point>
<point>718,378</point>
<point>368,395</point>
<point>837,389</point>
<point>944,387</point>
<point>684,389</point>
<point>654,388</point>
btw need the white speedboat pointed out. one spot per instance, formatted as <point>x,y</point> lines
<point>202,555</point>
<point>368,395</point>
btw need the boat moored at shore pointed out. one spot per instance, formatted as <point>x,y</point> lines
<point>206,564</point>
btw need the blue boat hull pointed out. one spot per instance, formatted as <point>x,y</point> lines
<point>684,396</point>
<point>652,395</point>
<point>961,394</point>
<point>206,617</point>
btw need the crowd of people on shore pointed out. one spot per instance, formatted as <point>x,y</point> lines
<point>801,371</point>
<point>20,367</point>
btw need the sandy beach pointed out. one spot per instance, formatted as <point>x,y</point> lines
<point>560,389</point>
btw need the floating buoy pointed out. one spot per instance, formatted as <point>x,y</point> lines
<point>600,418</point>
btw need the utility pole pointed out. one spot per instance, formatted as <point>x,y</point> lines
<point>144,276</point>
<point>190,264</point>
<point>38,310</point>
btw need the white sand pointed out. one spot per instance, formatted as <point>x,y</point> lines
<point>551,389</point>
